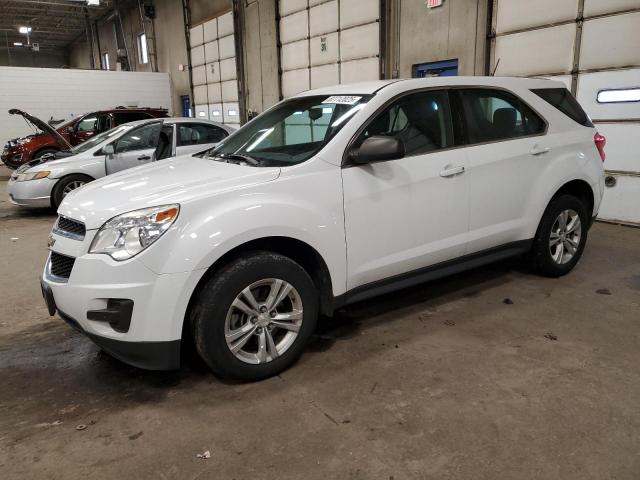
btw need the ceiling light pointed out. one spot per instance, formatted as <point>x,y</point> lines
<point>24,30</point>
<point>17,44</point>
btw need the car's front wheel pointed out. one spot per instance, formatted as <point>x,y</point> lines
<point>254,317</point>
<point>65,186</point>
<point>561,237</point>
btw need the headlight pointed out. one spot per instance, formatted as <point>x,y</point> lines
<point>128,234</point>
<point>23,177</point>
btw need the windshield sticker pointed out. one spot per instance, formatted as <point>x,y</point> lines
<point>343,99</point>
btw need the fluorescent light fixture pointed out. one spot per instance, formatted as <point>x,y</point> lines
<point>93,2</point>
<point>620,95</point>
<point>17,44</point>
<point>24,30</point>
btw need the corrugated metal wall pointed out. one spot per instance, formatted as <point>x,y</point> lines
<point>590,45</point>
<point>214,71</point>
<point>328,42</point>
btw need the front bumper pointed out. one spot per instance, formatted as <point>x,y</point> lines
<point>33,193</point>
<point>149,335</point>
<point>147,355</point>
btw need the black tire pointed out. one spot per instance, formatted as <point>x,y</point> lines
<point>57,194</point>
<point>542,261</point>
<point>213,301</point>
<point>44,151</point>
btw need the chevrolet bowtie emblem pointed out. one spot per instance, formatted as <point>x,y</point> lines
<point>51,242</point>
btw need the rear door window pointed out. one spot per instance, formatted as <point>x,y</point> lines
<point>562,99</point>
<point>197,134</point>
<point>493,115</point>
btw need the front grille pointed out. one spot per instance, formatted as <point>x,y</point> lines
<point>61,265</point>
<point>70,228</point>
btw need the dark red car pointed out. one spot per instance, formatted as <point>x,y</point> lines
<point>22,150</point>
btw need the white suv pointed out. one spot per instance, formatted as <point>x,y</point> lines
<point>328,198</point>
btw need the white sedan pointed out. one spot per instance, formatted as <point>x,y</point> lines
<point>45,182</point>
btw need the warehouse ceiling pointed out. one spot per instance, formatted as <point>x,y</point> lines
<point>54,23</point>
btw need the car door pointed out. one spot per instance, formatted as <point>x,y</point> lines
<point>136,147</point>
<point>406,214</point>
<point>196,137</point>
<point>506,154</point>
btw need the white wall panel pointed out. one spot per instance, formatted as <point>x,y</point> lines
<point>623,146</point>
<point>325,49</point>
<point>211,52</point>
<point>599,7</point>
<point>197,56</point>
<point>360,42</point>
<point>566,79</point>
<point>519,14</point>
<point>227,47</point>
<point>548,50</point>
<point>199,75</point>
<point>294,27</point>
<point>358,12</point>
<point>589,84</point>
<point>214,92</point>
<point>287,7</point>
<point>295,55</point>
<point>360,70</point>
<point>323,18</point>
<point>621,202</point>
<point>229,91</point>
<point>196,36</point>
<point>213,73</point>
<point>228,69</point>
<point>611,41</point>
<point>295,81</point>
<point>225,24</point>
<point>201,111</point>
<point>67,93</point>
<point>325,75</point>
<point>200,95</point>
<point>210,30</point>
<point>216,112</point>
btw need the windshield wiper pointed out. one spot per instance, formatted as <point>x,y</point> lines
<point>238,157</point>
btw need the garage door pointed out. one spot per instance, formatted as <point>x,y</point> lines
<point>214,71</point>
<point>592,46</point>
<point>328,42</point>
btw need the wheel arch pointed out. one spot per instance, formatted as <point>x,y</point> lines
<point>297,250</point>
<point>579,189</point>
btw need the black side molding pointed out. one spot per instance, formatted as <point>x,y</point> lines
<point>433,272</point>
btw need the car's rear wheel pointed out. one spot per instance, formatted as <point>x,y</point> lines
<point>254,317</point>
<point>561,237</point>
<point>65,186</point>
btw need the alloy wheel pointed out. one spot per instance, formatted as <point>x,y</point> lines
<point>566,233</point>
<point>263,321</point>
<point>71,186</point>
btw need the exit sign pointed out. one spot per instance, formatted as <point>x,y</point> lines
<point>434,3</point>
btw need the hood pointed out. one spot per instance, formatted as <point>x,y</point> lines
<point>178,180</point>
<point>44,126</point>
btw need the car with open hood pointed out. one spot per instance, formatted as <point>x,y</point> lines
<point>44,182</point>
<point>328,198</point>
<point>49,139</point>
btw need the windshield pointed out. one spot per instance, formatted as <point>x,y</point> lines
<point>291,132</point>
<point>101,137</point>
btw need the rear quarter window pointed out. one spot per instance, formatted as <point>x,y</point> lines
<point>562,99</point>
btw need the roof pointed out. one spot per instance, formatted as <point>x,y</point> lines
<point>172,120</point>
<point>367,88</point>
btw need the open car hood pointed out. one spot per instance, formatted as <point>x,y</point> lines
<point>44,126</point>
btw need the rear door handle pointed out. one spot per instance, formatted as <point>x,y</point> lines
<point>450,172</point>
<point>144,157</point>
<point>539,150</point>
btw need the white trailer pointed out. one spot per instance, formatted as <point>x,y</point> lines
<point>66,93</point>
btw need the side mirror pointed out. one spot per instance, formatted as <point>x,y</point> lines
<point>108,149</point>
<point>378,149</point>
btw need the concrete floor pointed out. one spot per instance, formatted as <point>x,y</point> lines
<point>438,382</point>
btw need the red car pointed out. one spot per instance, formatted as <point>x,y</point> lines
<point>22,150</point>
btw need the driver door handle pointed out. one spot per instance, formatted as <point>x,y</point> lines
<point>144,157</point>
<point>537,150</point>
<point>450,172</point>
